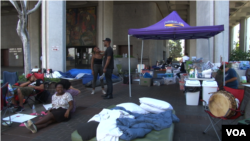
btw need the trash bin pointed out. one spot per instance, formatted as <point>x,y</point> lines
<point>192,91</point>
<point>126,79</point>
<point>208,87</point>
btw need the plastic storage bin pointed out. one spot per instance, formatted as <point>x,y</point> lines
<point>192,91</point>
<point>208,87</point>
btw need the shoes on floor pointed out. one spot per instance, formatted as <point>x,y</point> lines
<point>93,92</point>
<point>19,109</point>
<point>108,97</point>
<point>103,92</point>
<point>30,125</point>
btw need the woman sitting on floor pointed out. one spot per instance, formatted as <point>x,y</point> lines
<point>62,104</point>
<point>73,91</point>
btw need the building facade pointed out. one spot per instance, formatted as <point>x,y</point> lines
<point>64,32</point>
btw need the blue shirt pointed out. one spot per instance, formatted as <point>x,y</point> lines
<point>231,73</point>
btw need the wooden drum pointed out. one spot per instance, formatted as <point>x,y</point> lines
<point>220,102</point>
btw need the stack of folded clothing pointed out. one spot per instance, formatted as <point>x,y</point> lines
<point>154,105</point>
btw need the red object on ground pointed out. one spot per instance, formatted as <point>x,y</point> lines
<point>181,83</point>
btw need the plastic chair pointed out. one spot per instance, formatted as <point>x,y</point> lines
<point>6,96</point>
<point>239,94</point>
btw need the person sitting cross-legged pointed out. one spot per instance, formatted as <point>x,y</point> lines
<point>33,85</point>
<point>62,104</point>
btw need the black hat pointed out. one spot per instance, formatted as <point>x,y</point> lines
<point>107,39</point>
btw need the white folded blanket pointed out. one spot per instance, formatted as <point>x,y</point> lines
<point>107,129</point>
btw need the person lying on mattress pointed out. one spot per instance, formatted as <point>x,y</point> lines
<point>62,104</point>
<point>70,89</point>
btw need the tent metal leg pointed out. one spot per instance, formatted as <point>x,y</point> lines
<point>141,58</point>
<point>224,60</point>
<point>129,66</point>
<point>209,49</point>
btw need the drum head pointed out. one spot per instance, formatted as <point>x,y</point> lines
<point>219,104</point>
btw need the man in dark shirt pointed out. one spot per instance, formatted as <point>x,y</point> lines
<point>108,68</point>
<point>230,77</point>
<point>33,85</point>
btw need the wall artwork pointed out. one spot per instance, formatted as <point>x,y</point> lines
<point>81,26</point>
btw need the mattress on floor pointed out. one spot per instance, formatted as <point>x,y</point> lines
<point>166,134</point>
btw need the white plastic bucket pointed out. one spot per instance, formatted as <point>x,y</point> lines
<point>192,98</point>
<point>208,87</point>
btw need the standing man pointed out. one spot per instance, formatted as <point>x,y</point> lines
<point>108,68</point>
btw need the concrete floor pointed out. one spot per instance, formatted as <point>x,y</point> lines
<point>193,119</point>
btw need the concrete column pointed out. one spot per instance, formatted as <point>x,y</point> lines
<point>54,34</point>
<point>104,22</point>
<point>34,29</point>
<point>204,17</point>
<point>221,12</point>
<point>231,39</point>
<point>243,33</point>
<point>248,35</point>
<point>191,50</point>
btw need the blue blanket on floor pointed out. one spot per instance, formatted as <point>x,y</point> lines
<point>143,124</point>
<point>86,78</point>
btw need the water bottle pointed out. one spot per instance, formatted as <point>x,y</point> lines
<point>33,109</point>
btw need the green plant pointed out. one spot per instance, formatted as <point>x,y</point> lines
<point>22,78</point>
<point>117,56</point>
<point>175,49</point>
<point>52,79</point>
<point>239,55</point>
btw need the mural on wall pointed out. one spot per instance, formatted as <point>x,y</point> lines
<point>81,26</point>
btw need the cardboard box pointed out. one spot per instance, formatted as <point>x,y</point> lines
<point>146,82</point>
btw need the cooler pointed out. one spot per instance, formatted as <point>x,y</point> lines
<point>208,87</point>
<point>192,91</point>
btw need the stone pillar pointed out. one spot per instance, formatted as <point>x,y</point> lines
<point>104,22</point>
<point>192,22</point>
<point>204,17</point>
<point>54,34</point>
<point>248,35</point>
<point>231,39</point>
<point>34,29</point>
<point>221,12</point>
<point>243,34</point>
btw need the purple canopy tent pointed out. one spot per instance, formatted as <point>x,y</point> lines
<point>173,27</point>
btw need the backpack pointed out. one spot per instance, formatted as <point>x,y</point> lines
<point>248,75</point>
<point>44,97</point>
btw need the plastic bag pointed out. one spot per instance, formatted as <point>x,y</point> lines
<point>244,65</point>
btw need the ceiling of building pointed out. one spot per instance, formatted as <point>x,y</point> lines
<point>237,9</point>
